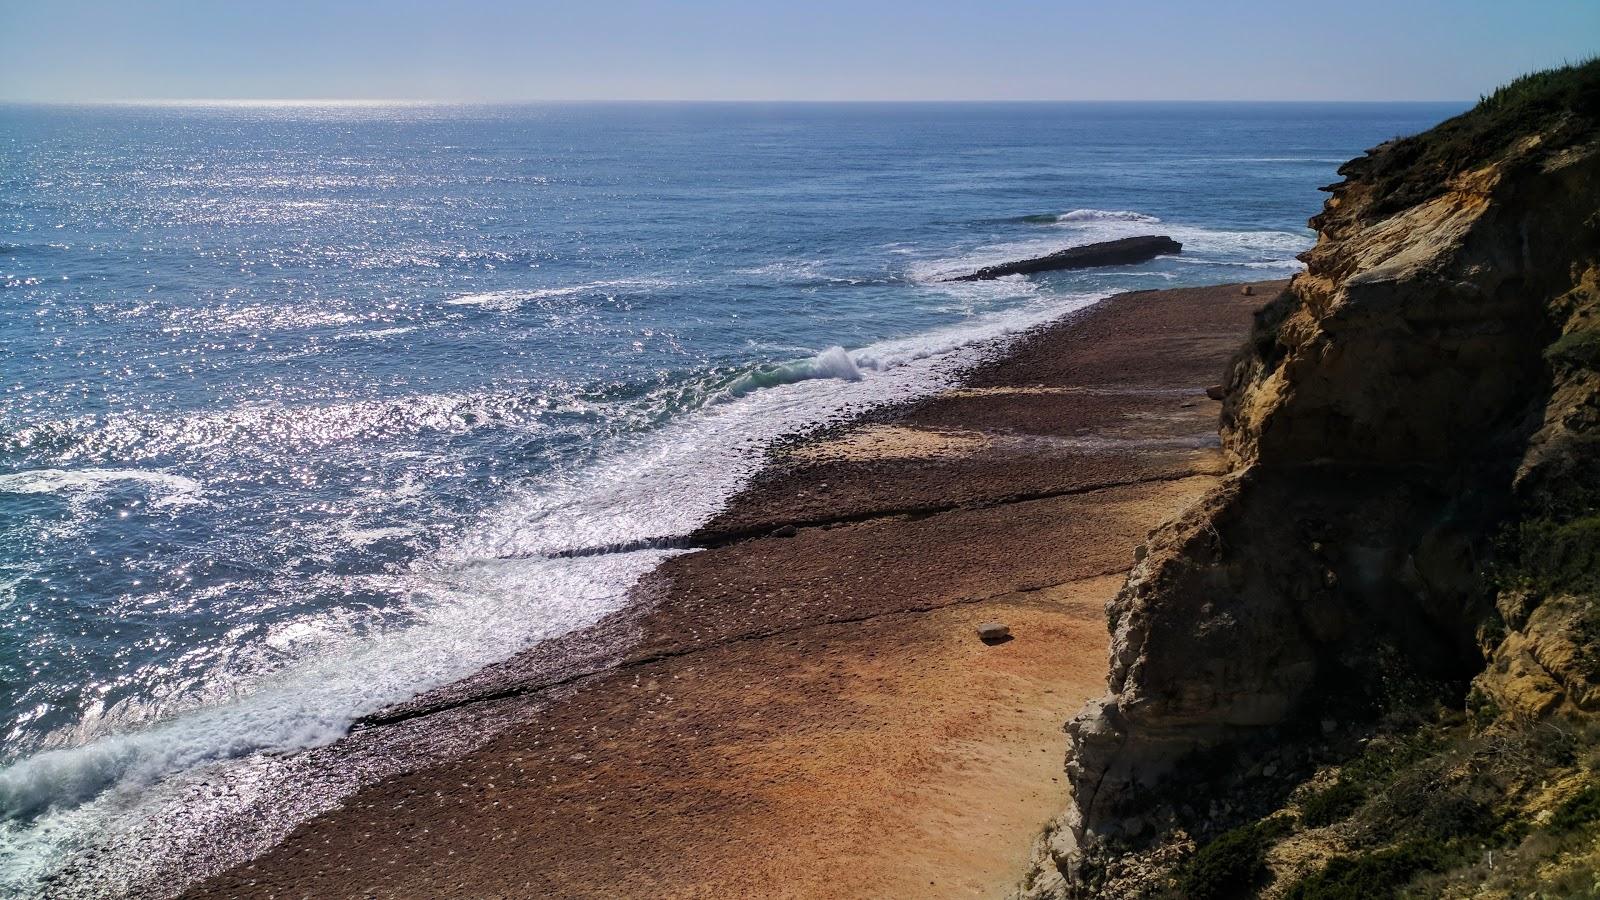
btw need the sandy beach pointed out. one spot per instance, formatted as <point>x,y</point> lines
<point>803,708</point>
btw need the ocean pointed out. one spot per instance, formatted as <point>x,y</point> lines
<point>306,408</point>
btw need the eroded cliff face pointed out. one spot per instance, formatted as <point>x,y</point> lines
<point>1413,435</point>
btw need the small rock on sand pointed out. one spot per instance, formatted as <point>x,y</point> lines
<point>1215,392</point>
<point>1248,290</point>
<point>993,632</point>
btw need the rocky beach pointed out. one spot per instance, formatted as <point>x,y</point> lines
<point>804,708</point>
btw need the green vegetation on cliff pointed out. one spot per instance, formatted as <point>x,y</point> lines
<point>1233,864</point>
<point>1551,103</point>
<point>1434,810</point>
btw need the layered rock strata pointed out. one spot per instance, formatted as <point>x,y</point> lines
<point>1412,444</point>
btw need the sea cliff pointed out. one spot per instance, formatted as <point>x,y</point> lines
<point>1367,657</point>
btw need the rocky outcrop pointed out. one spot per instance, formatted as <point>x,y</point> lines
<point>1124,251</point>
<point>1412,429</point>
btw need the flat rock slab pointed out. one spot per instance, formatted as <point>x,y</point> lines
<point>1121,252</point>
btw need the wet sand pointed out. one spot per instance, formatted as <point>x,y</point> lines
<point>802,708</point>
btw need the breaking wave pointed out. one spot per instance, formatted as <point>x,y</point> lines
<point>508,300</point>
<point>1106,215</point>
<point>519,575</point>
<point>1272,250</point>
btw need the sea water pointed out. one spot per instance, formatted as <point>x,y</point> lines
<point>306,408</point>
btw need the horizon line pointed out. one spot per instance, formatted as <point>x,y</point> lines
<point>378,101</point>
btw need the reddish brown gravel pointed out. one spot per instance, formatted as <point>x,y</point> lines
<point>803,709</point>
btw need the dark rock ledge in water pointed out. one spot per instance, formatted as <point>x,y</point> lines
<point>1105,253</point>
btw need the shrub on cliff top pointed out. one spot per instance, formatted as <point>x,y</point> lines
<point>1389,755</point>
<point>1369,876</point>
<point>1579,809</point>
<point>1578,349</point>
<point>1332,805</point>
<point>1232,864</point>
<point>1560,556</point>
<point>1414,169</point>
<point>1561,83</point>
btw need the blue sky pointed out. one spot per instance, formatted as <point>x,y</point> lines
<point>821,50</point>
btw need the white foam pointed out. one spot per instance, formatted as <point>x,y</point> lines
<point>377,333</point>
<point>361,537</point>
<point>509,581</point>
<point>1205,246</point>
<point>833,362</point>
<point>1106,215</point>
<point>509,300</point>
<point>169,489</point>
<point>800,272</point>
<point>248,318</point>
<point>678,477</point>
<point>1210,244</point>
<point>141,434</point>
<point>466,616</point>
<point>786,269</point>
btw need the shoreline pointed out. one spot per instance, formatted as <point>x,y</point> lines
<point>802,707</point>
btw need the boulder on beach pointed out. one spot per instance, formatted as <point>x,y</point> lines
<point>993,632</point>
<point>1106,253</point>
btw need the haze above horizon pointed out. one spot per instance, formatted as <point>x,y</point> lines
<point>501,51</point>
